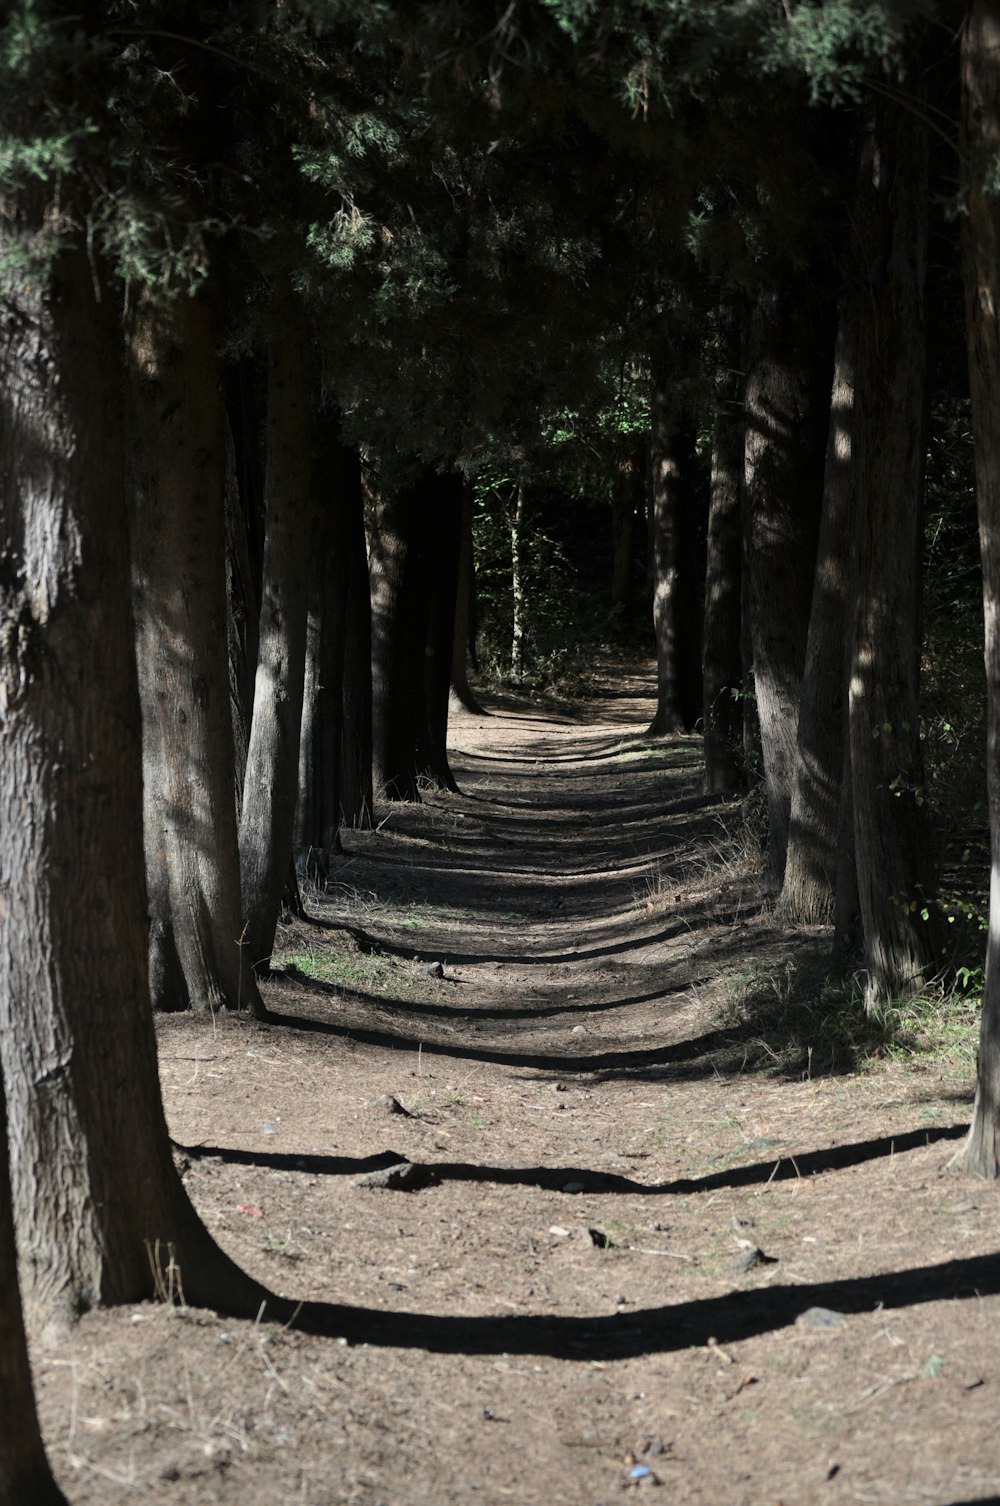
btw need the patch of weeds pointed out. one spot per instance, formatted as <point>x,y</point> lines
<point>798,1017</point>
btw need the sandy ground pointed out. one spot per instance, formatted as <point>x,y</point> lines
<point>641,1247</point>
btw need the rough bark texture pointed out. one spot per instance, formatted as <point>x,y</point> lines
<point>25,1477</point>
<point>98,1205</point>
<point>981,257</point>
<point>356,790</point>
<point>517,588</point>
<point>176,483</point>
<point>397,557</point>
<point>271,783</point>
<point>243,617</point>
<point>809,890</point>
<point>464,610</point>
<point>782,489</point>
<point>443,523</point>
<point>892,834</point>
<point>722,659</point>
<point>665,483</point>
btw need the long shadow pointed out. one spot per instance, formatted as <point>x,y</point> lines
<point>557,1178</point>
<point>726,1319</point>
<point>667,1060</point>
<point>469,1014</point>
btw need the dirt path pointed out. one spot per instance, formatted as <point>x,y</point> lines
<point>645,1247</point>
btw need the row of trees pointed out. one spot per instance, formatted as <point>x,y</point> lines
<point>274,285</point>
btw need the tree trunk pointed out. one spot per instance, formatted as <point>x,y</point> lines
<point>398,560</point>
<point>808,894</point>
<point>318,808</point>
<point>627,491</point>
<point>444,538</point>
<point>894,857</point>
<point>99,1210</point>
<point>270,788</point>
<point>665,485</point>
<point>722,658</point>
<point>357,799</point>
<point>782,489</point>
<point>517,589</point>
<point>981,261</point>
<point>464,610</point>
<point>176,483</point>
<point>25,1477</point>
<point>243,617</point>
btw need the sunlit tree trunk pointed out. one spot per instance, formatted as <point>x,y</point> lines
<point>981,257</point>
<point>356,792</point>
<point>782,489</point>
<point>517,586</point>
<point>99,1210</point>
<point>465,609</point>
<point>894,857</point>
<point>443,526</point>
<point>176,479</point>
<point>722,659</point>
<point>664,510</point>
<point>270,787</point>
<point>809,890</point>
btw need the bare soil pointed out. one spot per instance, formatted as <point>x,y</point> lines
<point>538,1007</point>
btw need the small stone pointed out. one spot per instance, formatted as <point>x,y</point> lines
<point>748,1260</point>
<point>401,1176</point>
<point>390,1104</point>
<point>579,1030</point>
<point>436,970</point>
<point>268,1129</point>
<point>820,1318</point>
<point>559,1231</point>
<point>573,1187</point>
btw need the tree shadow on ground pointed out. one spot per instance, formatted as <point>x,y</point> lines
<point>739,1314</point>
<point>557,1178</point>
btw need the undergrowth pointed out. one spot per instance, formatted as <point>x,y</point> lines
<point>799,1018</point>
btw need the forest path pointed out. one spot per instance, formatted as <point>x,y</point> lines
<point>649,1243</point>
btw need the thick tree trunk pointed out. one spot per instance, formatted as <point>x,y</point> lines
<point>356,791</point>
<point>177,512</point>
<point>665,487</point>
<point>99,1210</point>
<point>444,537</point>
<point>722,658</point>
<point>243,618</point>
<point>25,1477</point>
<point>894,858</point>
<point>782,490</point>
<point>270,788</point>
<point>464,610</point>
<point>981,259</point>
<point>319,743</point>
<point>808,894</point>
<point>398,561</point>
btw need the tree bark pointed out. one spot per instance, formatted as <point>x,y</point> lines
<point>99,1210</point>
<point>808,894</point>
<point>398,560</point>
<point>357,800</point>
<point>270,789</point>
<point>981,264</point>
<point>722,657</point>
<point>25,1477</point>
<point>443,524</point>
<point>894,858</point>
<point>177,504</point>
<point>782,490</point>
<point>665,485</point>
<point>517,587</point>
<point>464,610</point>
